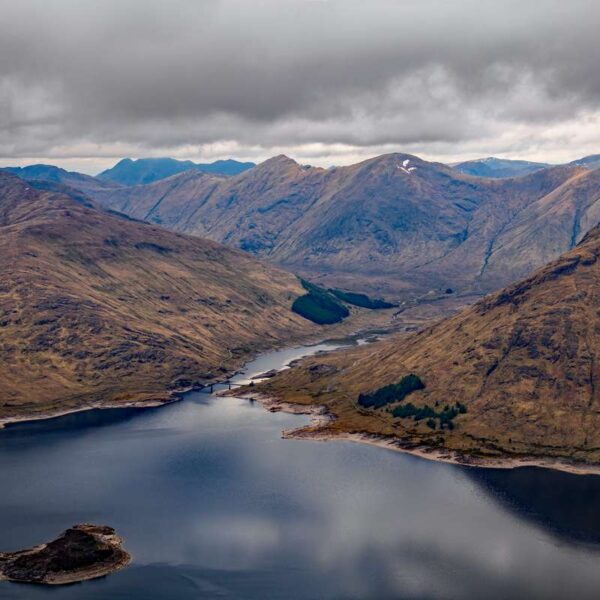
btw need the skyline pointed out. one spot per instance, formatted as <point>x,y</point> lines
<point>64,163</point>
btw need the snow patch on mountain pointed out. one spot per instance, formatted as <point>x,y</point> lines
<point>404,166</point>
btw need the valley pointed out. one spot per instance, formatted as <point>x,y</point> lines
<point>99,310</point>
<point>299,300</point>
<point>110,308</point>
<point>511,377</point>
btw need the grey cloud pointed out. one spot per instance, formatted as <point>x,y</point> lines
<point>150,75</point>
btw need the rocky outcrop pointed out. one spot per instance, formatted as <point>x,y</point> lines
<point>82,552</point>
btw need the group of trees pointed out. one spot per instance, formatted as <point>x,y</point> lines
<point>445,417</point>
<point>319,306</point>
<point>361,300</point>
<point>324,307</point>
<point>389,394</point>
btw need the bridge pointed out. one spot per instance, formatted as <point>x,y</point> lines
<point>208,389</point>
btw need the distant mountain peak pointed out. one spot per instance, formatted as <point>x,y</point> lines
<point>499,168</point>
<point>138,171</point>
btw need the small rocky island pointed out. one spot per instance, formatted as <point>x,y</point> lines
<point>82,552</point>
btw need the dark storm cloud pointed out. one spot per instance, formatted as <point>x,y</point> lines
<point>81,77</point>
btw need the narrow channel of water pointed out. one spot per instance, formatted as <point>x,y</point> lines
<point>212,503</point>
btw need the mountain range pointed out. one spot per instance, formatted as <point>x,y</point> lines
<point>148,170</point>
<point>394,225</point>
<point>97,309</point>
<point>516,374</point>
<point>504,167</point>
<point>61,177</point>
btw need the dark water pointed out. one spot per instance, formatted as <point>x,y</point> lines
<point>212,503</point>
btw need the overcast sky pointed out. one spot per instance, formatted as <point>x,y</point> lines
<point>86,82</point>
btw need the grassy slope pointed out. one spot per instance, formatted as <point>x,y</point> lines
<point>524,361</point>
<point>96,309</point>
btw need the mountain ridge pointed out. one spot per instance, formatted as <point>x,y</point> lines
<point>393,225</point>
<point>499,167</point>
<point>390,224</point>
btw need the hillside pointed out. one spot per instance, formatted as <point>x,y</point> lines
<point>499,167</point>
<point>394,225</point>
<point>548,227</point>
<point>99,310</point>
<point>148,170</point>
<point>522,363</point>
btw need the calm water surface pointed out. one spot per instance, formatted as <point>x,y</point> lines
<point>212,503</point>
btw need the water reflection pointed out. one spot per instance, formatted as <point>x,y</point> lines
<point>213,503</point>
<point>564,504</point>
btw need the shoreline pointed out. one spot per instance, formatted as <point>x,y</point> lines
<point>48,416</point>
<point>320,416</point>
<point>171,396</point>
<point>340,331</point>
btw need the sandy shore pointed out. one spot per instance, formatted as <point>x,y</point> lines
<point>321,417</point>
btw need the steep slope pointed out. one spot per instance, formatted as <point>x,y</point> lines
<point>392,225</point>
<point>524,363</point>
<point>148,170</point>
<point>499,167</point>
<point>96,309</point>
<point>546,228</point>
<point>171,201</point>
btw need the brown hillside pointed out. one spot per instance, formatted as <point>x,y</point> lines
<point>524,361</point>
<point>96,309</point>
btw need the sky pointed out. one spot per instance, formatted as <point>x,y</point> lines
<point>84,83</point>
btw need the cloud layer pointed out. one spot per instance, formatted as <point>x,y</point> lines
<point>86,81</point>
